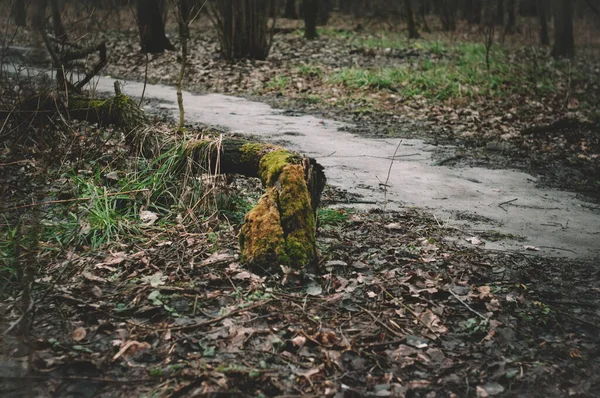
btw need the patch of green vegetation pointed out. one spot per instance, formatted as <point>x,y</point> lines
<point>278,83</point>
<point>311,99</point>
<point>309,70</point>
<point>462,74</point>
<point>382,41</point>
<point>234,207</point>
<point>333,217</point>
<point>334,32</point>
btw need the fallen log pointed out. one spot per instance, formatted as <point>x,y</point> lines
<point>281,228</point>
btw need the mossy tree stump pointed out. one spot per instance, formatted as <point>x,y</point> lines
<point>281,228</point>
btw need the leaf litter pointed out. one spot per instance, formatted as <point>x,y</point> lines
<point>395,308</point>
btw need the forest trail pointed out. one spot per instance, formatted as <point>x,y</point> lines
<point>474,199</point>
<point>506,201</point>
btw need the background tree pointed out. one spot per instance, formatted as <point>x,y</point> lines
<point>500,12</point>
<point>542,11</point>
<point>511,22</point>
<point>472,11</point>
<point>311,13</point>
<point>18,12</point>
<point>564,43</point>
<point>447,12</point>
<point>323,12</point>
<point>243,27</point>
<point>57,25</point>
<point>410,20</point>
<point>151,25</point>
<point>290,9</point>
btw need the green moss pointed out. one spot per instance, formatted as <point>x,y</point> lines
<point>272,164</point>
<point>262,239</point>
<point>281,228</point>
<point>251,151</point>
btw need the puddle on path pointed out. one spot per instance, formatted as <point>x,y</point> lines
<point>555,221</point>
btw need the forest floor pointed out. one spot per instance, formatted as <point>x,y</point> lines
<point>135,295</point>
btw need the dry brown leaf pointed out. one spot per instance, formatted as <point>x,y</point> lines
<point>79,334</point>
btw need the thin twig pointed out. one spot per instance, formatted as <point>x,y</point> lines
<point>388,176</point>
<point>145,82</point>
<point>505,203</point>
<point>407,308</point>
<point>389,329</point>
<point>215,320</point>
<point>468,306</point>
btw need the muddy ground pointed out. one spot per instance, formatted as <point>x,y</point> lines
<point>398,305</point>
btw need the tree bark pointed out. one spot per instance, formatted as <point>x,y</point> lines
<point>151,26</point>
<point>243,27</point>
<point>18,13</point>
<point>564,42</point>
<point>410,20</point>
<point>542,10</point>
<point>311,13</point>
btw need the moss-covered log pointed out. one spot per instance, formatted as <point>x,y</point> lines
<point>280,229</point>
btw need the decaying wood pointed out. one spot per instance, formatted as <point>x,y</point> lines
<point>280,230</point>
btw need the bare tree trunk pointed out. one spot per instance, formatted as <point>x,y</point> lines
<point>151,26</point>
<point>500,12</point>
<point>542,9</point>
<point>243,27</point>
<point>311,13</point>
<point>447,11</point>
<point>290,10</point>
<point>564,42</point>
<point>37,17</point>
<point>57,25</point>
<point>511,8</point>
<point>18,13</point>
<point>323,12</point>
<point>410,19</point>
<point>423,9</point>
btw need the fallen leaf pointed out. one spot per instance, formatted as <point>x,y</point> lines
<point>131,347</point>
<point>155,280</point>
<point>91,277</point>
<point>148,217</point>
<point>79,334</point>
<point>474,241</point>
<point>299,341</point>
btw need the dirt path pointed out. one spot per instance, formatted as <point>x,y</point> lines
<point>474,199</point>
